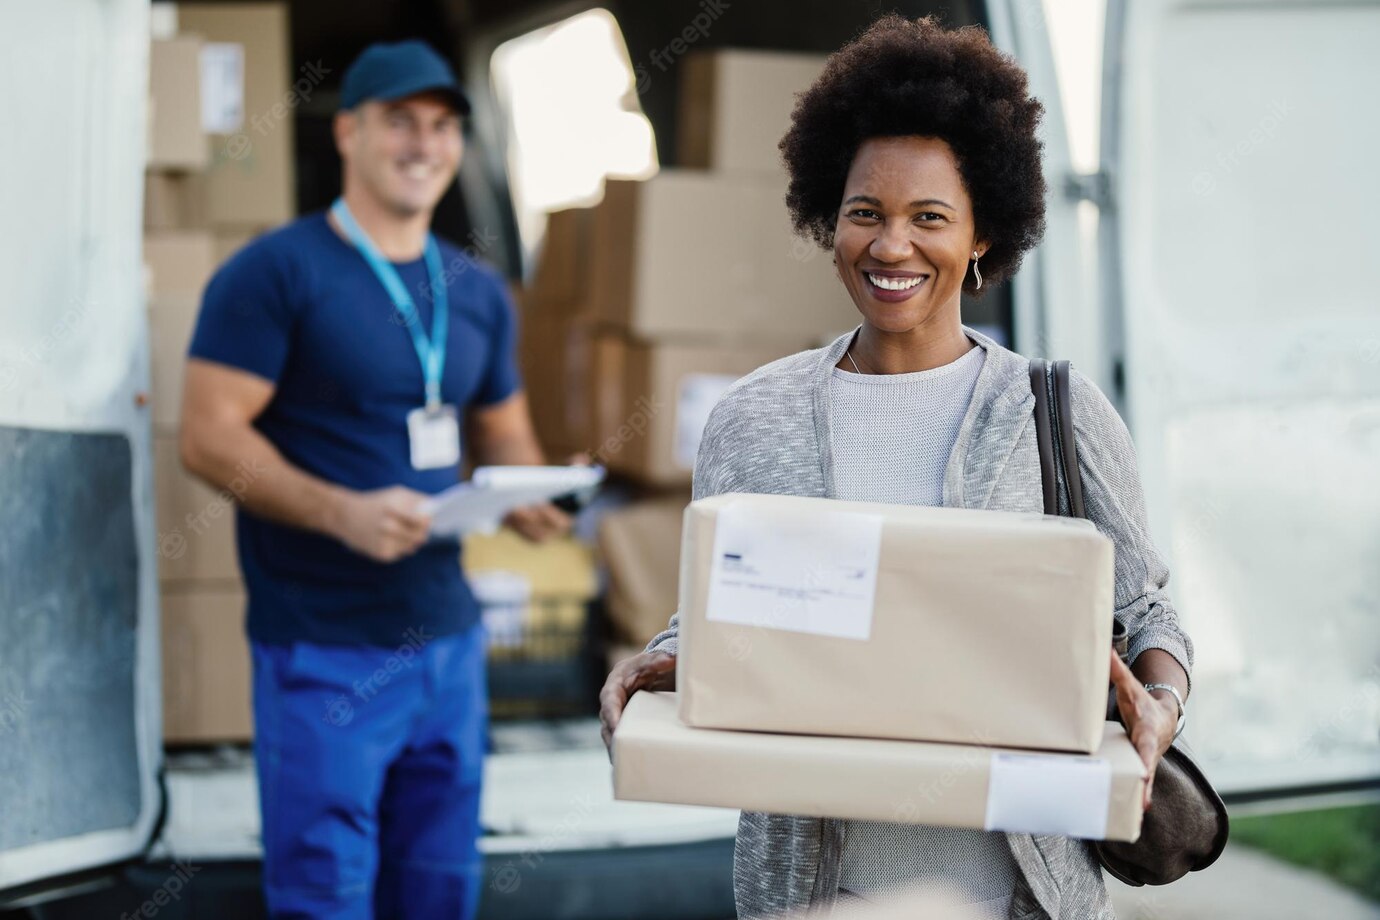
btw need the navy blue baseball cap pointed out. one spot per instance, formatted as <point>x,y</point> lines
<point>388,71</point>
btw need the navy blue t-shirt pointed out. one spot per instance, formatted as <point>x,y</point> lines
<point>301,308</point>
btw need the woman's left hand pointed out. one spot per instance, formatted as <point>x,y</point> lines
<point>1149,721</point>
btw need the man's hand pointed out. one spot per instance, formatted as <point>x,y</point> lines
<point>384,524</point>
<point>1150,721</point>
<point>539,522</point>
<point>646,671</point>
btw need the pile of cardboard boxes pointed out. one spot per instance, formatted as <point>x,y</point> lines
<point>219,172</point>
<point>934,666</point>
<point>645,308</point>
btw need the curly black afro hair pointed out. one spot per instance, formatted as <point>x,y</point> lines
<point>913,77</point>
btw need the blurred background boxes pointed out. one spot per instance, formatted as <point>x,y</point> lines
<point>176,140</point>
<point>640,547</point>
<point>250,178</point>
<point>196,530</point>
<point>174,200</point>
<point>654,398</point>
<point>171,323</point>
<point>220,170</point>
<point>644,308</point>
<point>206,670</point>
<point>735,105</point>
<point>711,256</point>
<point>555,353</point>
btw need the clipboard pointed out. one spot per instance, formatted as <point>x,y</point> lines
<point>479,505</point>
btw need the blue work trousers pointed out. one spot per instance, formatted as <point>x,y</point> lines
<point>369,762</point>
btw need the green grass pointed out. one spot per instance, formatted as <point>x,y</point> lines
<point>1343,843</point>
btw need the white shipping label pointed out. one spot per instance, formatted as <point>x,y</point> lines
<point>810,572</point>
<point>696,395</point>
<point>222,87</point>
<point>1049,794</point>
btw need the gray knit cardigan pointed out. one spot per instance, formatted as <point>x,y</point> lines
<point>769,434</point>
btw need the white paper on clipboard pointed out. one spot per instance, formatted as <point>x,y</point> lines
<point>479,505</point>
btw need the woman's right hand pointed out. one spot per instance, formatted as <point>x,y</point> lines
<point>646,671</point>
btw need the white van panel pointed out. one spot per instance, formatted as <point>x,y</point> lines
<point>1247,193</point>
<point>73,356</point>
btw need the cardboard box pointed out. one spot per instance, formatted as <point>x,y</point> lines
<point>735,106</point>
<point>555,353</point>
<point>174,201</point>
<point>178,266</point>
<point>206,667</point>
<point>651,401</point>
<point>196,524</point>
<point>657,758</point>
<point>250,179</point>
<point>894,621</point>
<point>640,547</point>
<point>175,136</point>
<point>560,282</point>
<point>560,567</point>
<point>713,257</point>
<point>171,324</point>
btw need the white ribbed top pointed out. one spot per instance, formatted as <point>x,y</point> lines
<point>891,439</point>
<point>892,433</point>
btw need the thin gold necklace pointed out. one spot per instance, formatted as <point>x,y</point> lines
<point>849,352</point>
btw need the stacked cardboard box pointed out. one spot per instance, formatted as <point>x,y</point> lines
<point>640,545</point>
<point>658,758</point>
<point>219,171</point>
<point>645,308</point>
<point>847,659</point>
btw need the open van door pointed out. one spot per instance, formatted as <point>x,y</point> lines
<point>79,711</point>
<point>1236,325</point>
<point>1241,154</point>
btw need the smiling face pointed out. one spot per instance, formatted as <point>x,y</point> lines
<point>404,153</point>
<point>905,233</point>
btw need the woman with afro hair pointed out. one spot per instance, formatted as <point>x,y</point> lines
<point>914,159</point>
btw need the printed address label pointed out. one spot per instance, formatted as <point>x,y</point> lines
<point>812,572</point>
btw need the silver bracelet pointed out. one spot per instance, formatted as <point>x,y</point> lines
<point>1178,728</point>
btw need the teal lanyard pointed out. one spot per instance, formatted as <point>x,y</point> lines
<point>431,353</point>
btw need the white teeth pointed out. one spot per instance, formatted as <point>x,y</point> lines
<point>894,284</point>
<point>417,170</point>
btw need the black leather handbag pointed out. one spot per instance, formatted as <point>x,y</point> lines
<point>1186,827</point>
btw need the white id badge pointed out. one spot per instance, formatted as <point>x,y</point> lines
<point>434,435</point>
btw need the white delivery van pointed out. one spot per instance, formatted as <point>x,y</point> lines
<point>1232,314</point>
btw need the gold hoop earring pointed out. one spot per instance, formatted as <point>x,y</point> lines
<point>976,274</point>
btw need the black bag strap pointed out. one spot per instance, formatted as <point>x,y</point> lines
<point>1044,433</point>
<point>1068,454</point>
<point>1054,434</point>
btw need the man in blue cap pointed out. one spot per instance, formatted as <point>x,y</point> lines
<point>340,359</point>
